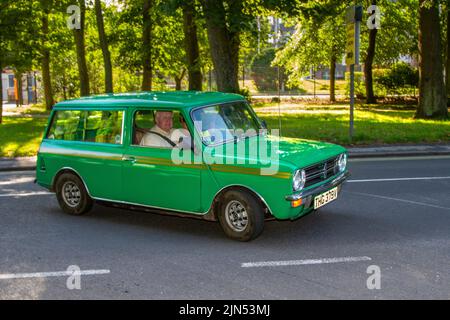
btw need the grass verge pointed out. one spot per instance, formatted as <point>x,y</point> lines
<point>371,126</point>
<point>20,135</point>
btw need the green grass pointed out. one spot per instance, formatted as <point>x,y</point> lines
<point>32,109</point>
<point>375,124</point>
<point>20,136</point>
<point>323,86</point>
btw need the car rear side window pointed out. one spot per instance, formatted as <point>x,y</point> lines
<point>91,126</point>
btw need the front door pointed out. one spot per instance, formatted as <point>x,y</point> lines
<point>151,176</point>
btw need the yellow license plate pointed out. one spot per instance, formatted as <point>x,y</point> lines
<point>326,197</point>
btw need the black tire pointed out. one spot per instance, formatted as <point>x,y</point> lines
<point>241,229</point>
<point>75,202</point>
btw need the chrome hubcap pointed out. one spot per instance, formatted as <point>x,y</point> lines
<point>71,194</point>
<point>236,216</point>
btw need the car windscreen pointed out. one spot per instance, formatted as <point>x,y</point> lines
<point>225,122</point>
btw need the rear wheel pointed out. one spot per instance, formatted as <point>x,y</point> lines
<point>72,195</point>
<point>241,215</point>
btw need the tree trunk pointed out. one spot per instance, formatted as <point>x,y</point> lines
<point>368,64</point>
<point>447,73</point>
<point>432,95</point>
<point>81,52</point>
<point>1,93</point>
<point>178,80</point>
<point>147,45</point>
<point>333,77</point>
<point>104,46</point>
<point>191,46</point>
<point>46,79</point>
<point>235,25</point>
<point>64,87</point>
<point>222,46</point>
<point>19,101</point>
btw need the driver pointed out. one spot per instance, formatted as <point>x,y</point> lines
<point>159,135</point>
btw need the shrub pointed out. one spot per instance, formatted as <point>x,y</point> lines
<point>399,79</point>
<point>360,89</point>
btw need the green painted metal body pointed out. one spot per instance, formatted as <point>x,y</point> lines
<point>154,180</point>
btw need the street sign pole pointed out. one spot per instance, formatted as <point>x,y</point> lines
<point>352,98</point>
<point>354,18</point>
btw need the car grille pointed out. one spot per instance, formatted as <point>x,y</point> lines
<point>321,171</point>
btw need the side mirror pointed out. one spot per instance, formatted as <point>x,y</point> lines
<point>264,124</point>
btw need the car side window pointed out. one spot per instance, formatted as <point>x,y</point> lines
<point>160,129</point>
<point>91,126</point>
<point>103,126</point>
<point>66,126</point>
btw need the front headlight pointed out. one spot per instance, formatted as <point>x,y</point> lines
<point>342,162</point>
<point>298,182</point>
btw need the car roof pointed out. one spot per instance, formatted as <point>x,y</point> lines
<point>172,99</point>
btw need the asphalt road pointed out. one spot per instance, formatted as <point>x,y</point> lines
<point>400,228</point>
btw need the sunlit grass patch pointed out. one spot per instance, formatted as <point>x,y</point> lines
<point>21,136</point>
<point>370,126</point>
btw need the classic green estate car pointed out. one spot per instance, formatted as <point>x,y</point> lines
<point>198,154</point>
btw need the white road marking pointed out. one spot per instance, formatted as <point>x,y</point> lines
<point>15,173</point>
<point>302,262</point>
<point>17,181</point>
<point>39,193</point>
<point>397,158</point>
<point>399,179</point>
<point>51,274</point>
<point>397,199</point>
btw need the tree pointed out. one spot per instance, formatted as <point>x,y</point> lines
<point>104,45</point>
<point>15,41</point>
<point>317,41</point>
<point>223,28</point>
<point>191,46</point>
<point>45,54</point>
<point>432,94</point>
<point>379,47</point>
<point>368,62</point>
<point>81,51</point>
<point>447,69</point>
<point>147,45</point>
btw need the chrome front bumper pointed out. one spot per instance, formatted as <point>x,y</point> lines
<point>320,189</point>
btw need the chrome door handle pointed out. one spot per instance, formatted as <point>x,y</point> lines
<point>131,159</point>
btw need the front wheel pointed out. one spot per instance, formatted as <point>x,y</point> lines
<point>241,215</point>
<point>72,195</point>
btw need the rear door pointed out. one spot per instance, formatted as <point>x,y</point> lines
<point>90,142</point>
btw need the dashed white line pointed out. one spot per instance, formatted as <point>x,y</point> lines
<point>51,274</point>
<point>403,158</point>
<point>399,179</point>
<point>17,181</point>
<point>303,262</point>
<point>15,173</point>
<point>400,200</point>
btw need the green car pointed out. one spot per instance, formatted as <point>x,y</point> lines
<point>196,154</point>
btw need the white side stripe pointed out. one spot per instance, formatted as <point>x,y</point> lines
<point>51,274</point>
<point>302,262</point>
